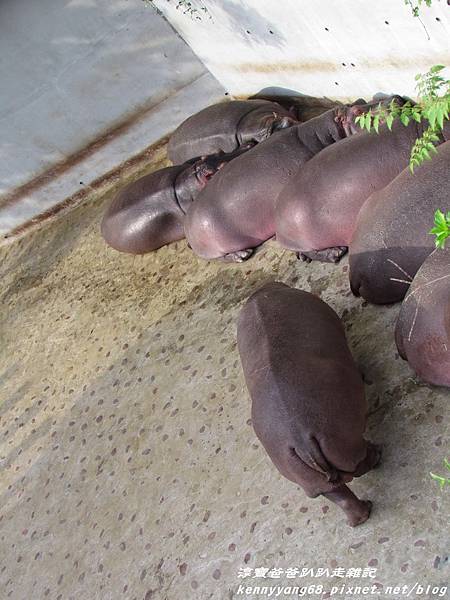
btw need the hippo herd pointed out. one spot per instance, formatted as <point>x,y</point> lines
<point>251,170</point>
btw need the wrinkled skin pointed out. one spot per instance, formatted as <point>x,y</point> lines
<point>308,402</point>
<point>422,333</point>
<point>316,211</point>
<point>235,213</point>
<point>391,238</point>
<point>150,212</point>
<point>225,126</point>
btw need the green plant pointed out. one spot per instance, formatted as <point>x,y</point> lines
<point>416,4</point>
<point>441,228</point>
<point>433,106</point>
<point>443,481</point>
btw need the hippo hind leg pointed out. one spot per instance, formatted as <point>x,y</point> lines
<point>333,254</point>
<point>371,460</point>
<point>357,511</point>
<point>238,256</point>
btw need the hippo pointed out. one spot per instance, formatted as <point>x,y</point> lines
<point>149,213</point>
<point>422,333</point>
<point>391,238</point>
<point>308,402</point>
<point>225,126</point>
<point>301,106</point>
<point>316,211</point>
<point>235,213</point>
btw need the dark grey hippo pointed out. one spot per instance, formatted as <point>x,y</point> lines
<point>316,211</point>
<point>422,333</point>
<point>308,402</point>
<point>225,126</point>
<point>150,212</point>
<point>235,213</point>
<point>391,238</point>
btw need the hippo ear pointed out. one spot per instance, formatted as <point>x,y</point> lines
<point>283,123</point>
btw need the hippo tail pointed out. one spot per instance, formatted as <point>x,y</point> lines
<point>311,454</point>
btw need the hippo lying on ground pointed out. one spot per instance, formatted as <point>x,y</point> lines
<point>225,126</point>
<point>308,402</point>
<point>235,213</point>
<point>150,212</point>
<point>316,211</point>
<point>391,238</point>
<point>422,333</point>
<point>301,106</point>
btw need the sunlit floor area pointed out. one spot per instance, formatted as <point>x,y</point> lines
<point>129,467</point>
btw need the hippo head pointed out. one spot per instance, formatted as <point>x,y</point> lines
<point>347,114</point>
<point>196,173</point>
<point>190,181</point>
<point>259,125</point>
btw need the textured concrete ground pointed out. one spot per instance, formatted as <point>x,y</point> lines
<point>129,465</point>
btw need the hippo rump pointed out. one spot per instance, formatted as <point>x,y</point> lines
<point>316,211</point>
<point>391,238</point>
<point>225,126</point>
<point>308,402</point>
<point>422,333</point>
<point>235,213</point>
<point>149,213</point>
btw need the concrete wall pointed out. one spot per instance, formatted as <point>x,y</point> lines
<point>336,48</point>
<point>85,85</point>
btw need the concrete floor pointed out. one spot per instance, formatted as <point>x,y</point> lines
<point>129,465</point>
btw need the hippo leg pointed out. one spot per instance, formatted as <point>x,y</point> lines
<point>238,256</point>
<point>371,460</point>
<point>357,510</point>
<point>333,255</point>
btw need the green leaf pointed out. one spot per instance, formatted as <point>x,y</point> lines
<point>439,479</point>
<point>389,121</point>
<point>437,68</point>
<point>440,117</point>
<point>432,116</point>
<point>376,122</point>
<point>439,218</point>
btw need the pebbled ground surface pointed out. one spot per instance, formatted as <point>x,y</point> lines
<point>129,467</point>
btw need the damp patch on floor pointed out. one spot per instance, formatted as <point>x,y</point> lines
<point>129,467</point>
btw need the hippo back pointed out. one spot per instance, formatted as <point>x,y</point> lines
<point>296,362</point>
<point>391,238</point>
<point>215,128</point>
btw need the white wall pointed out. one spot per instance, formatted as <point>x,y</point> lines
<point>71,72</point>
<point>335,48</point>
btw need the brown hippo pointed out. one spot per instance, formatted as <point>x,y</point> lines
<point>391,238</point>
<point>308,402</point>
<point>235,213</point>
<point>422,333</point>
<point>149,213</point>
<point>225,126</point>
<point>316,211</point>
